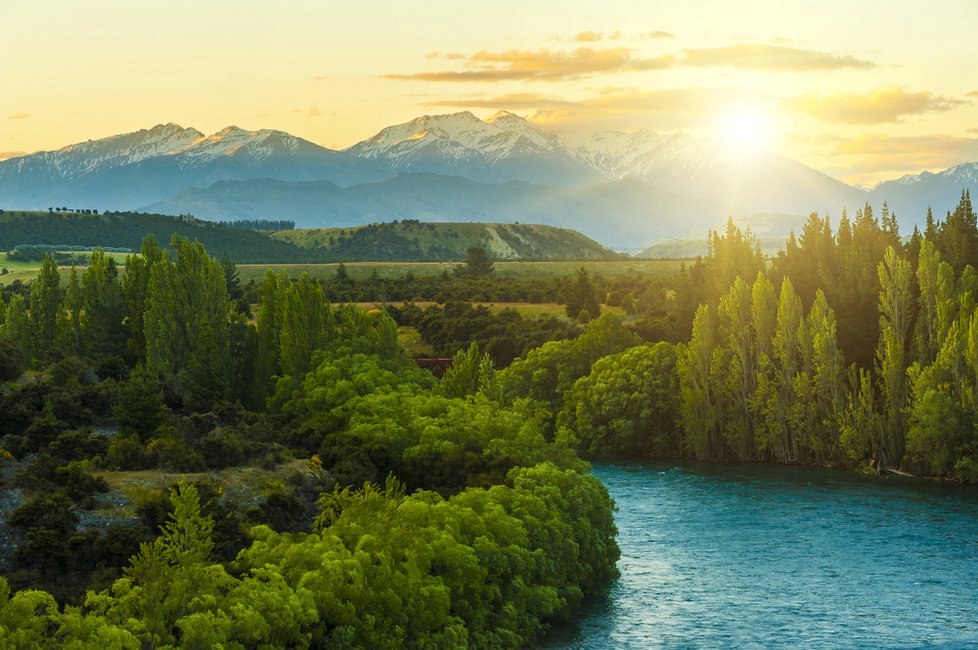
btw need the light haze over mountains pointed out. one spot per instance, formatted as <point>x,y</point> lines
<point>624,189</point>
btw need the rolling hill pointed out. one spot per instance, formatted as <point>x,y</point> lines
<point>410,241</point>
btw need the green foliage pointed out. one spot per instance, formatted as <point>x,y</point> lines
<point>139,407</point>
<point>45,299</point>
<point>628,405</point>
<point>11,360</point>
<point>582,303</point>
<point>470,374</point>
<point>749,395</point>
<point>548,371</point>
<point>477,263</point>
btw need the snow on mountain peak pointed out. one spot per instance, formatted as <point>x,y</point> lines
<point>461,132</point>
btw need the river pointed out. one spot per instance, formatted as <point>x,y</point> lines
<point>720,556</point>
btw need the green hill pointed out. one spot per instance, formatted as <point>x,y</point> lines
<point>412,241</point>
<point>127,230</point>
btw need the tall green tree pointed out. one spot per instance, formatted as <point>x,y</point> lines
<point>45,305</point>
<point>305,325</point>
<point>582,303</point>
<point>896,313</point>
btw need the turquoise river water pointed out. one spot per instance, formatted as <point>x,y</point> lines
<point>743,556</point>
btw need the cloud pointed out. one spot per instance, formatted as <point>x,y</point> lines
<point>771,57</point>
<point>542,65</point>
<point>657,34</point>
<point>673,108</point>
<point>4,155</point>
<point>515,101</point>
<point>321,77</point>
<point>18,116</point>
<point>314,112</point>
<point>884,145</point>
<point>876,156</point>
<point>973,93</point>
<point>588,37</point>
<point>882,105</point>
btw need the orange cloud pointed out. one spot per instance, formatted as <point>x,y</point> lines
<point>973,93</point>
<point>4,155</point>
<point>657,34</point>
<point>771,57</point>
<point>18,116</point>
<point>588,37</point>
<point>880,106</point>
<point>542,65</point>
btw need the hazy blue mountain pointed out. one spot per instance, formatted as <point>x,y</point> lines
<point>910,196</point>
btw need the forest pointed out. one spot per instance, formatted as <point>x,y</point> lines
<point>404,509</point>
<point>425,512</point>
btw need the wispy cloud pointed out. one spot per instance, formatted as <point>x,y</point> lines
<point>676,107</point>
<point>760,56</point>
<point>869,157</point>
<point>541,65</point>
<point>880,106</point>
<point>594,37</point>
<point>882,145</point>
<point>973,93</point>
<point>657,34</point>
<point>18,116</point>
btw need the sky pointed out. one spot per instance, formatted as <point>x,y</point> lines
<point>863,90</point>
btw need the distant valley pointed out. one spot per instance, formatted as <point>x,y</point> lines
<point>624,190</point>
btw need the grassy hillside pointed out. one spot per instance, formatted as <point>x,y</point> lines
<point>411,241</point>
<point>127,230</point>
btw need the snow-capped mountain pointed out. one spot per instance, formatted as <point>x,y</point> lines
<point>94,155</point>
<point>502,148</point>
<point>132,170</point>
<point>620,187</point>
<point>910,196</point>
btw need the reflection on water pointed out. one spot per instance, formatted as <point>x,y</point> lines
<point>756,556</point>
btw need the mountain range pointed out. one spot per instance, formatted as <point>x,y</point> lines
<point>624,189</point>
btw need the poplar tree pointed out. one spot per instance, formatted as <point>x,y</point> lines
<point>45,303</point>
<point>305,325</point>
<point>267,364</point>
<point>136,287</point>
<point>895,305</point>
<point>17,326</point>
<point>71,336</point>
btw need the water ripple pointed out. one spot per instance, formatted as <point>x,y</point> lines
<point>753,556</point>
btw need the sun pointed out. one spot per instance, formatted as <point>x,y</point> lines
<point>745,130</point>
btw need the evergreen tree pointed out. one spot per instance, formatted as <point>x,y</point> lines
<point>582,303</point>
<point>477,263</point>
<point>138,405</point>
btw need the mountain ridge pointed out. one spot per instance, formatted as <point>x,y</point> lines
<point>616,186</point>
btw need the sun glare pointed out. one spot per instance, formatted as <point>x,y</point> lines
<point>745,130</point>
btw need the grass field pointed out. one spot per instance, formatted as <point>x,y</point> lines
<point>361,270</point>
<point>25,271</point>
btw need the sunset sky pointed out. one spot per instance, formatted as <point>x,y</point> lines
<point>864,90</point>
